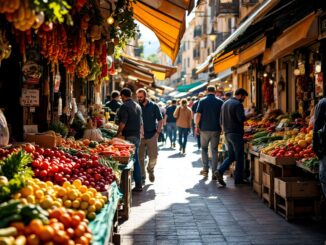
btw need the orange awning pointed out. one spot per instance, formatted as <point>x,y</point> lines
<point>225,61</point>
<point>138,73</point>
<point>166,19</point>
<point>298,35</point>
<point>252,51</point>
<point>161,72</point>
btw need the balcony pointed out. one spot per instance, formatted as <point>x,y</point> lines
<point>249,3</point>
<point>224,7</point>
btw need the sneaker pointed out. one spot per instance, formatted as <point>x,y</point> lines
<point>137,189</point>
<point>183,151</point>
<point>151,177</point>
<point>214,177</point>
<point>204,172</point>
<point>219,177</point>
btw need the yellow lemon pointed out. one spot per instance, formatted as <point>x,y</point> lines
<point>39,194</point>
<point>85,197</point>
<point>83,189</point>
<point>77,183</point>
<point>72,195</point>
<point>31,199</point>
<point>76,204</point>
<point>84,205</point>
<point>61,192</point>
<point>67,203</point>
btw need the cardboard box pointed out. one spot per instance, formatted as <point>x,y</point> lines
<point>44,140</point>
<point>291,187</point>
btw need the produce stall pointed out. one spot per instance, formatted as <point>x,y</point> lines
<point>280,154</point>
<point>62,194</point>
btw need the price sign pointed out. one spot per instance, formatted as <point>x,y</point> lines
<point>30,97</point>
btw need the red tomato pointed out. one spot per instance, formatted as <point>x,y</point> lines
<point>43,173</point>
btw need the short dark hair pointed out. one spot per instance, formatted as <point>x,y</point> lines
<point>229,94</point>
<point>211,89</point>
<point>142,90</point>
<point>115,94</point>
<point>126,92</point>
<point>241,91</point>
<point>174,101</point>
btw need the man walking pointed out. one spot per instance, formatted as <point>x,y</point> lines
<point>208,126</point>
<point>153,122</point>
<point>194,110</point>
<point>130,126</point>
<point>232,120</point>
<point>114,104</point>
<point>171,127</point>
<point>319,140</point>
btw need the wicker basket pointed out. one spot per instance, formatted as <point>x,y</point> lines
<point>123,160</point>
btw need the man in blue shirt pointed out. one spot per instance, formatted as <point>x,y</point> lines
<point>153,122</point>
<point>208,126</point>
<point>171,123</point>
<point>232,120</point>
<point>130,126</point>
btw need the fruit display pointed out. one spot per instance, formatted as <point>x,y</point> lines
<point>73,196</point>
<point>311,163</point>
<point>58,167</point>
<point>61,227</point>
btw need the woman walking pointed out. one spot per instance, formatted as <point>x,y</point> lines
<point>184,117</point>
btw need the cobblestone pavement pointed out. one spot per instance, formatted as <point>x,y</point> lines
<point>183,208</point>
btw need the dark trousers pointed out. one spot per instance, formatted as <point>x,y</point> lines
<point>183,136</point>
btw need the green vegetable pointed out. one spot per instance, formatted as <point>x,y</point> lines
<point>59,128</point>
<point>8,208</point>
<point>6,221</point>
<point>260,134</point>
<point>266,139</point>
<point>93,144</point>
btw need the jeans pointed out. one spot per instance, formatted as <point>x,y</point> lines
<point>148,146</point>
<point>322,174</point>
<point>183,136</point>
<point>207,137</point>
<point>171,128</point>
<point>137,169</point>
<point>235,145</point>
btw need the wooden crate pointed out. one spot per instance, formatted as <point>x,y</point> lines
<point>267,190</point>
<point>125,187</point>
<point>291,187</point>
<point>256,187</point>
<point>257,169</point>
<point>278,160</point>
<point>291,208</point>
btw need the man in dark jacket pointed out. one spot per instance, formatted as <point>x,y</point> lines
<point>319,144</point>
<point>209,128</point>
<point>171,123</point>
<point>232,120</point>
<point>114,104</point>
<point>130,126</point>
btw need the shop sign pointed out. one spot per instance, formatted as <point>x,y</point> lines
<point>322,26</point>
<point>319,85</point>
<point>30,97</point>
<point>31,72</point>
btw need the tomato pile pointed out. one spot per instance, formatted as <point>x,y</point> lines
<point>58,167</point>
<point>292,151</point>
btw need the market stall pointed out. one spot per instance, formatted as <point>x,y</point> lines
<point>279,148</point>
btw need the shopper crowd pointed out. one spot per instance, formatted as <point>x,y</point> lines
<point>209,115</point>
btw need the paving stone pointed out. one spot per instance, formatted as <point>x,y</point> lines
<point>183,208</point>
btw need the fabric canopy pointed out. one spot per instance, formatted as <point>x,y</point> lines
<point>161,72</point>
<point>300,34</point>
<point>187,87</point>
<point>252,51</point>
<point>225,62</point>
<point>138,73</point>
<point>166,19</point>
<point>222,75</point>
<point>267,5</point>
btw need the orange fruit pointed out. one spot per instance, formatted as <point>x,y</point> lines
<point>84,205</point>
<point>33,240</point>
<point>66,184</point>
<point>75,221</point>
<point>31,199</point>
<point>26,191</point>
<point>67,203</point>
<point>89,237</point>
<point>91,208</point>
<point>39,194</point>
<point>83,189</point>
<point>18,225</point>
<point>92,201</point>
<point>61,192</point>
<point>86,197</point>
<point>46,233</point>
<point>56,213</point>
<point>93,191</point>
<point>60,237</point>
<point>36,226</point>
<point>76,204</point>
<point>91,215</point>
<point>81,214</point>
<point>70,232</point>
<point>79,231</point>
<point>82,240</point>
<point>65,220</point>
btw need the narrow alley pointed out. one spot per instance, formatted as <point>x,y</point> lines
<point>183,208</point>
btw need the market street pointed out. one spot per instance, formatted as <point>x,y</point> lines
<point>183,208</point>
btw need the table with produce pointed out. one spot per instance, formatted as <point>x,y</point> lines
<point>60,195</point>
